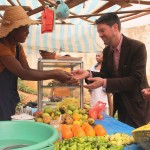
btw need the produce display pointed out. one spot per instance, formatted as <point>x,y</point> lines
<point>107,142</point>
<point>71,113</point>
<point>86,143</point>
<point>77,129</point>
<point>69,101</point>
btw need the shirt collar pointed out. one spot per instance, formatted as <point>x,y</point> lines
<point>119,45</point>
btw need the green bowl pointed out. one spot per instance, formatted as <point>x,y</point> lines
<point>27,135</point>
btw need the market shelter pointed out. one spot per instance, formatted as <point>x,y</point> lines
<point>77,33</point>
<point>75,119</point>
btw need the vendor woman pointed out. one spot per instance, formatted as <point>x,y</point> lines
<point>14,30</point>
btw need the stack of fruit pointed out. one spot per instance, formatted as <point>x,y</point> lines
<point>69,101</point>
<point>75,115</point>
<point>106,142</point>
<point>47,115</point>
<point>70,115</point>
<point>69,131</point>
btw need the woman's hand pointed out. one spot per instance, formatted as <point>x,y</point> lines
<point>80,74</point>
<point>62,76</point>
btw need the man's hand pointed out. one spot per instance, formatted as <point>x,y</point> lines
<point>146,93</point>
<point>96,82</point>
<point>80,74</point>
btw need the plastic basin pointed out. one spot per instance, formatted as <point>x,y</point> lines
<point>26,135</point>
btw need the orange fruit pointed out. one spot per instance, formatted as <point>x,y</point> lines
<point>75,127</point>
<point>79,132</point>
<point>84,125</point>
<point>99,130</point>
<point>66,132</point>
<point>89,131</point>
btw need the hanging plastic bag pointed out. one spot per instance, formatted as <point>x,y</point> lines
<point>97,109</point>
<point>48,20</point>
<point>62,11</point>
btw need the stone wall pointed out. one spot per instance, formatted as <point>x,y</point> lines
<point>141,33</point>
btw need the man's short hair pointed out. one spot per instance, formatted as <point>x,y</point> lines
<point>109,19</point>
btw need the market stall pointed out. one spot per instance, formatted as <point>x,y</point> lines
<point>75,125</point>
<point>71,118</point>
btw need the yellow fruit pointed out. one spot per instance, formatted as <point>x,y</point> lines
<point>76,116</point>
<point>77,122</point>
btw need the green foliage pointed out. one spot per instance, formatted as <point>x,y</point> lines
<point>22,87</point>
<point>22,97</point>
<point>26,89</point>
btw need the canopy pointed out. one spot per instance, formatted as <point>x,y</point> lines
<point>77,33</point>
<point>76,38</point>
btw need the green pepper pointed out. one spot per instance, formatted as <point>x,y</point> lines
<point>63,148</point>
<point>73,147</point>
<point>81,140</point>
<point>56,146</point>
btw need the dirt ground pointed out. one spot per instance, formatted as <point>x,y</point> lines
<point>28,97</point>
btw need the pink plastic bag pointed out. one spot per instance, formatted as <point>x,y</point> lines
<point>97,109</point>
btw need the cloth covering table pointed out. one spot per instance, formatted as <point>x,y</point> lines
<point>112,126</point>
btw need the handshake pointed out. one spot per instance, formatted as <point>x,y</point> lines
<point>65,78</point>
<point>79,74</point>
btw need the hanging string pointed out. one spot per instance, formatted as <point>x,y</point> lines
<point>83,4</point>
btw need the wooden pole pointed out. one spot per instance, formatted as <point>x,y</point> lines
<point>100,14</point>
<point>36,10</point>
<point>135,16</point>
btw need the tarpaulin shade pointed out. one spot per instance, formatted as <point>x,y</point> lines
<point>68,38</point>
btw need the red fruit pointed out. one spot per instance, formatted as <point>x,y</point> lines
<point>37,113</point>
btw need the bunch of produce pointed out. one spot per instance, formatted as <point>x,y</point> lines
<point>74,115</point>
<point>69,101</point>
<point>120,138</point>
<point>86,143</point>
<point>95,142</point>
<point>71,114</point>
<point>75,130</point>
<point>47,115</point>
